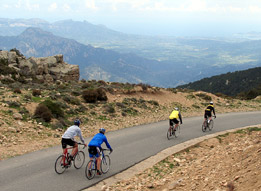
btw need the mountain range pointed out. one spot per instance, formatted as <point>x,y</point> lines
<point>159,61</point>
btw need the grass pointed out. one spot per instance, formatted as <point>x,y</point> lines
<point>37,99</point>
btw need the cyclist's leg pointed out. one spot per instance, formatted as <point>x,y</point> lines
<point>75,149</point>
<point>176,123</point>
<point>98,156</point>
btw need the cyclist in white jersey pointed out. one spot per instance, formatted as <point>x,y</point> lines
<point>68,137</point>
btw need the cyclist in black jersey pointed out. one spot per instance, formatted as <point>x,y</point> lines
<point>208,111</point>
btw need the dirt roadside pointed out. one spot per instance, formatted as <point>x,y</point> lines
<point>224,161</point>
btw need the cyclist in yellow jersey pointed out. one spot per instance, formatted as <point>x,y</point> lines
<point>208,111</point>
<point>173,118</point>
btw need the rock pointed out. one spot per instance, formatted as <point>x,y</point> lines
<point>104,187</point>
<point>17,116</point>
<point>49,69</point>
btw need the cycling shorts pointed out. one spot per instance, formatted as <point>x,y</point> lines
<point>94,151</point>
<point>207,114</point>
<point>172,121</point>
<point>66,142</point>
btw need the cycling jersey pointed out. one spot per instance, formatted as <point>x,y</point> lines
<point>97,141</point>
<point>174,114</point>
<point>209,109</point>
<point>73,131</point>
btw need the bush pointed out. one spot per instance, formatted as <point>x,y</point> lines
<point>55,108</point>
<point>204,96</point>
<point>94,95</point>
<point>90,96</point>
<point>101,95</point>
<point>36,93</point>
<point>17,90</point>
<point>43,112</point>
<point>109,109</point>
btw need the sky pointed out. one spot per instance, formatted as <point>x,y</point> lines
<point>147,17</point>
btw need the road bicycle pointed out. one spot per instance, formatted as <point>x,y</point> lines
<point>208,124</point>
<point>64,162</point>
<point>172,132</point>
<point>91,167</point>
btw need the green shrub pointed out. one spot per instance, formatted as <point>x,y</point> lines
<point>109,108</point>
<point>43,112</point>
<point>55,108</point>
<point>101,95</point>
<point>36,93</point>
<point>90,96</point>
<point>204,96</point>
<point>17,90</point>
<point>13,104</point>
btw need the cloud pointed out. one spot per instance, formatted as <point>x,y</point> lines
<point>90,4</point>
<point>52,7</point>
<point>66,8</point>
<point>254,9</point>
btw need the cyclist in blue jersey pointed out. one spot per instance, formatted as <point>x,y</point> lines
<point>95,147</point>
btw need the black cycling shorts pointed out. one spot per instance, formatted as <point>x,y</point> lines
<point>93,151</point>
<point>172,121</point>
<point>66,142</point>
<point>207,114</point>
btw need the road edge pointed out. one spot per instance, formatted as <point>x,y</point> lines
<point>149,162</point>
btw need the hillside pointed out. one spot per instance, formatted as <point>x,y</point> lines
<point>230,83</point>
<point>123,105</point>
<point>227,162</point>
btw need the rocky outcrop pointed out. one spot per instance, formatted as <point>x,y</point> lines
<point>49,69</point>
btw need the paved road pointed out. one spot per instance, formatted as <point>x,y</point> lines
<point>35,171</point>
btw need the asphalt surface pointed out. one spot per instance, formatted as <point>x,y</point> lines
<point>35,171</point>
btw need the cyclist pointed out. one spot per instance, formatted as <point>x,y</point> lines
<point>208,111</point>
<point>95,147</point>
<point>68,137</point>
<point>173,118</point>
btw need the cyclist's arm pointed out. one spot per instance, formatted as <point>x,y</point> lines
<point>107,143</point>
<point>214,111</point>
<point>80,135</point>
<point>180,118</point>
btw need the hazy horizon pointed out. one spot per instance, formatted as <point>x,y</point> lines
<point>149,17</point>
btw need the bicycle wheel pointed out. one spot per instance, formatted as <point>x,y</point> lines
<point>204,126</point>
<point>169,133</point>
<point>90,170</point>
<point>105,164</point>
<point>79,159</point>
<point>210,124</point>
<point>59,166</point>
<point>177,132</point>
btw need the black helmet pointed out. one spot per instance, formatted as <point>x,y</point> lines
<point>102,130</point>
<point>77,122</point>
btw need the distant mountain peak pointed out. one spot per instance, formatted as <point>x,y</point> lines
<point>32,31</point>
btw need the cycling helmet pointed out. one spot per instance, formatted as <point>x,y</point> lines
<point>102,130</point>
<point>176,108</point>
<point>211,102</point>
<point>77,122</point>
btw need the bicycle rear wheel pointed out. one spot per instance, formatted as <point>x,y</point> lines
<point>204,126</point>
<point>177,132</point>
<point>169,133</point>
<point>105,164</point>
<point>90,170</point>
<point>210,124</point>
<point>79,160</point>
<point>59,165</point>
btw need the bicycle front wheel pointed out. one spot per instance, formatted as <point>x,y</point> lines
<point>211,124</point>
<point>177,132</point>
<point>79,160</point>
<point>90,170</point>
<point>59,164</point>
<point>105,164</point>
<point>169,133</point>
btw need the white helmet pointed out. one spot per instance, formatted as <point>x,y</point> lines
<point>211,102</point>
<point>176,108</point>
